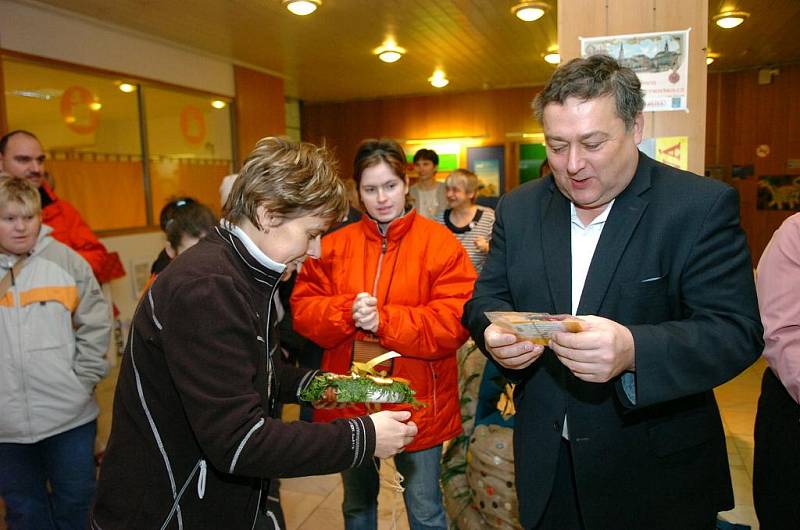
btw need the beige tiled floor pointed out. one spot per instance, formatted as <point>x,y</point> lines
<point>312,503</point>
<point>737,404</point>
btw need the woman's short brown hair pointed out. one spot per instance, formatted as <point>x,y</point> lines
<point>289,178</point>
<point>20,191</point>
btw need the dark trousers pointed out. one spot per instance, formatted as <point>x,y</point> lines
<point>562,511</point>
<point>776,462</point>
<point>65,462</point>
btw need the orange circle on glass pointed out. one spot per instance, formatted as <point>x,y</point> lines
<point>76,112</point>
<point>193,124</point>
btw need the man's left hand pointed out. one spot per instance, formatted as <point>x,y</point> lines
<point>599,352</point>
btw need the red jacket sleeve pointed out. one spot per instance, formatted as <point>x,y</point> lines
<point>70,229</point>
<point>432,330</point>
<point>317,313</point>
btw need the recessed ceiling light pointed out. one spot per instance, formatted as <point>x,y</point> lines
<point>529,11</point>
<point>730,19</point>
<point>95,106</point>
<point>302,7</point>
<point>439,79</point>
<point>219,104</point>
<point>127,87</point>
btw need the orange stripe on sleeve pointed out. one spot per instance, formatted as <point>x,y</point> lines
<point>67,296</point>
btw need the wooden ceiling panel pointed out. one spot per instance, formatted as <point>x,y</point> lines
<point>327,56</point>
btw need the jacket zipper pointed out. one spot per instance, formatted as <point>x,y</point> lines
<point>384,246</point>
<point>434,392</point>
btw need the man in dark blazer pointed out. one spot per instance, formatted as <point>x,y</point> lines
<point>617,426</point>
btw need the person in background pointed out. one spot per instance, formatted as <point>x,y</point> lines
<point>184,222</point>
<point>354,213</point>
<point>545,169</point>
<point>392,281</point>
<point>225,187</point>
<point>21,156</point>
<point>163,258</point>
<point>54,331</point>
<point>470,223</point>
<point>776,462</point>
<point>616,425</point>
<point>195,440</point>
<point>428,194</point>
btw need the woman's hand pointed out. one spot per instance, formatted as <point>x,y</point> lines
<point>393,431</point>
<point>482,244</point>
<point>365,312</point>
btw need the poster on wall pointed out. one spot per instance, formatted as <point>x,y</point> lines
<point>778,192</point>
<point>670,150</point>
<point>488,163</point>
<point>659,59</point>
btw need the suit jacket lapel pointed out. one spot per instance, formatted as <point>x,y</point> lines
<point>620,225</point>
<point>556,248</point>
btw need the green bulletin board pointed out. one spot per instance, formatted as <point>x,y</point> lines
<point>531,157</point>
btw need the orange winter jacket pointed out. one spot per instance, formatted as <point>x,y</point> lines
<point>422,277</point>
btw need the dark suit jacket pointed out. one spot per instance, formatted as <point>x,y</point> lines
<point>672,265</point>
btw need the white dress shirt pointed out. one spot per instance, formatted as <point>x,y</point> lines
<point>583,241</point>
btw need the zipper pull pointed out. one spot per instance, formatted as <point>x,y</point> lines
<point>201,480</point>
<point>383,246</point>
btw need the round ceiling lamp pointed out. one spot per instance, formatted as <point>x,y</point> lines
<point>127,87</point>
<point>439,79</point>
<point>529,11</point>
<point>219,104</point>
<point>730,19</point>
<point>552,56</point>
<point>389,52</point>
<point>302,7</point>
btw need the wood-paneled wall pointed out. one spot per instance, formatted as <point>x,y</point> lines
<point>590,18</point>
<point>260,108</point>
<point>743,115</point>
<point>491,117</point>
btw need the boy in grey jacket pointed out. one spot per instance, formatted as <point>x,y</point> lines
<point>54,331</point>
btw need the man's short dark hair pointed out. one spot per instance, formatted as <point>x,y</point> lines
<point>593,77</point>
<point>4,140</point>
<point>426,154</point>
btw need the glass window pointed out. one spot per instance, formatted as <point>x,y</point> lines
<point>89,126</point>
<point>89,129</point>
<point>189,142</point>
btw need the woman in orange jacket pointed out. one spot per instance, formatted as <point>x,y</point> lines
<point>392,281</point>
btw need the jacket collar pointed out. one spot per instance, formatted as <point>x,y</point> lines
<point>259,265</point>
<point>394,232</point>
<point>623,219</point>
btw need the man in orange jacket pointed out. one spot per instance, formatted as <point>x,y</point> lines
<point>21,156</point>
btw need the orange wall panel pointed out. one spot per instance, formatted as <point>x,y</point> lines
<point>108,194</point>
<point>172,178</point>
<point>260,108</point>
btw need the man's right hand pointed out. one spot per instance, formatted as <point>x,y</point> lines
<point>508,350</point>
<point>393,431</point>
